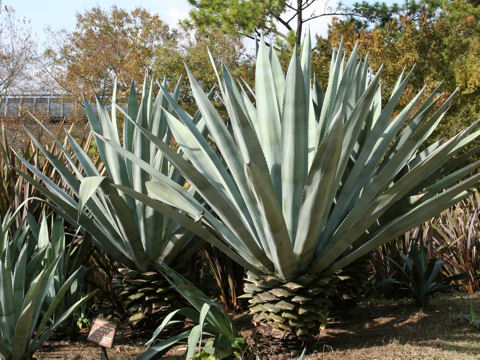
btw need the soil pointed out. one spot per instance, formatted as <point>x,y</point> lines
<point>372,330</point>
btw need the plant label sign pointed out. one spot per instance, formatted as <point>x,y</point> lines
<point>102,333</point>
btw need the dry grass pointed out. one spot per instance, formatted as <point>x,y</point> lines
<point>17,137</point>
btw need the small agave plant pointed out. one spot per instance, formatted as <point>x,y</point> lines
<point>34,288</point>
<point>419,276</point>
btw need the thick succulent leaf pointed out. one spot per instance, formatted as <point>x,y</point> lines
<point>418,126</point>
<point>104,239</point>
<point>268,116</point>
<point>176,198</point>
<point>128,229</point>
<point>55,302</point>
<point>245,134</point>
<point>383,179</point>
<point>371,154</point>
<point>315,108</point>
<point>165,322</point>
<point>32,303</point>
<point>62,197</point>
<point>36,345</point>
<point>67,175</point>
<point>276,231</point>
<point>278,75</point>
<point>345,88</point>
<point>43,239</point>
<point>196,333</point>
<point>450,180</point>
<point>224,141</point>
<point>80,154</point>
<point>306,63</point>
<point>5,349</point>
<point>213,197</point>
<point>88,187</point>
<point>249,147</point>
<point>7,303</point>
<point>58,145</point>
<point>73,183</point>
<point>37,292</point>
<point>252,113</point>
<point>132,110</point>
<point>294,144</point>
<point>408,220</point>
<point>202,156</point>
<point>319,193</point>
<point>333,81</point>
<point>160,348</point>
<point>97,127</point>
<point>217,317</point>
<point>188,223</point>
<point>354,123</point>
<point>184,201</point>
<point>22,332</point>
<point>19,279</point>
<point>180,245</point>
<point>368,214</point>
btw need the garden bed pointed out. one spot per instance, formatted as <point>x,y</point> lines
<point>373,330</point>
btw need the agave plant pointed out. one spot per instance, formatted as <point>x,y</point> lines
<point>419,276</point>
<point>306,182</point>
<point>471,318</point>
<point>71,256</point>
<point>28,313</point>
<point>452,235</point>
<point>134,234</point>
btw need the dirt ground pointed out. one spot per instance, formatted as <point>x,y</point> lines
<point>374,330</point>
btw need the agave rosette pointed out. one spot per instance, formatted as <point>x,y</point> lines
<point>304,182</point>
<point>134,234</point>
<point>304,175</point>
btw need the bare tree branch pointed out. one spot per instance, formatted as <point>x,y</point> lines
<point>291,7</point>
<point>17,51</point>
<point>284,23</point>
<point>329,14</point>
<point>307,4</point>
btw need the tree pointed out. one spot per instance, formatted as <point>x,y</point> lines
<point>284,19</point>
<point>17,51</point>
<point>125,45</point>
<point>365,14</point>
<point>109,45</point>
<point>442,40</point>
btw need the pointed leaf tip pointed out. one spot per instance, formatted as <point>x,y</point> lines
<point>88,187</point>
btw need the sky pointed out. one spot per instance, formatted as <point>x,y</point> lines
<point>60,14</point>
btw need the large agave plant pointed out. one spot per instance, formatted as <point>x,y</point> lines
<point>304,183</point>
<point>307,182</point>
<point>134,234</point>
